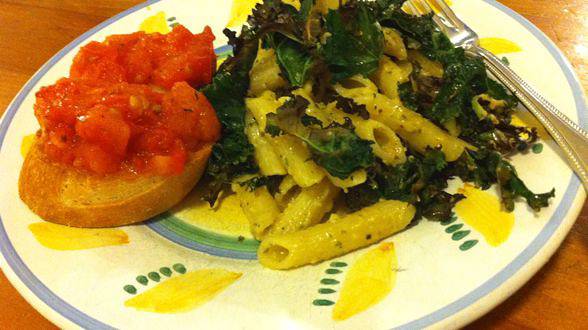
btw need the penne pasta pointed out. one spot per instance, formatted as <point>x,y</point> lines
<point>297,160</point>
<point>259,207</point>
<point>262,105</point>
<point>419,132</point>
<point>334,238</point>
<point>286,191</point>
<point>266,157</point>
<point>355,179</point>
<point>428,67</point>
<point>307,208</point>
<point>416,130</point>
<point>389,75</point>
<point>386,144</point>
<point>394,44</point>
<point>265,73</point>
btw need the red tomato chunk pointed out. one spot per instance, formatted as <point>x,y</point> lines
<point>130,104</point>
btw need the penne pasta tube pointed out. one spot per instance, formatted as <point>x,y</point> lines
<point>355,179</point>
<point>259,207</point>
<point>297,160</point>
<point>386,144</point>
<point>266,157</point>
<point>415,129</point>
<point>337,237</point>
<point>307,208</point>
<point>265,73</point>
<point>260,106</point>
<point>394,44</point>
<point>390,74</point>
<point>428,67</point>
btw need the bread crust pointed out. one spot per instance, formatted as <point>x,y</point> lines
<point>67,196</point>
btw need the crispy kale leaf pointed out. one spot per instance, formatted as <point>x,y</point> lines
<point>349,106</point>
<point>294,60</point>
<point>356,41</point>
<point>233,154</point>
<point>271,182</point>
<point>274,16</point>
<point>486,167</point>
<point>511,187</point>
<point>282,28</point>
<point>339,150</point>
<point>464,76</point>
<point>419,181</point>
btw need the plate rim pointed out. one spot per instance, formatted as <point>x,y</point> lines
<point>496,289</point>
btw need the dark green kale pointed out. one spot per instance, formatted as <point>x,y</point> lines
<point>512,187</point>
<point>336,147</point>
<point>350,107</point>
<point>233,154</point>
<point>505,138</point>
<point>358,197</point>
<point>486,167</point>
<point>283,30</point>
<point>420,180</point>
<point>421,29</point>
<point>294,60</point>
<point>408,97</point>
<point>305,9</point>
<point>498,92</point>
<point>271,182</point>
<point>464,76</point>
<point>308,120</point>
<point>384,7</point>
<point>355,44</point>
<point>339,150</point>
<point>275,17</point>
<point>436,204</point>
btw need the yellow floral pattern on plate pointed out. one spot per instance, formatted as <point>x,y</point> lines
<point>155,23</point>
<point>483,212</point>
<point>27,143</point>
<point>58,237</point>
<point>500,45</point>
<point>369,280</point>
<point>185,292</point>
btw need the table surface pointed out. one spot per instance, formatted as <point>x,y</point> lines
<point>33,30</point>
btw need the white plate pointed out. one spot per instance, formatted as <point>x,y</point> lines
<point>440,284</point>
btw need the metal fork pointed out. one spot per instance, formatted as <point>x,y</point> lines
<point>572,139</point>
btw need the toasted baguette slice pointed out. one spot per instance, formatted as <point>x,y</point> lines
<point>60,194</point>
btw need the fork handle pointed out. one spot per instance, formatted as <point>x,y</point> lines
<point>572,139</point>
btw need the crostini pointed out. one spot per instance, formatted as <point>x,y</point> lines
<point>126,136</point>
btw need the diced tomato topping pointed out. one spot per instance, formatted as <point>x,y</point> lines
<point>105,128</point>
<point>130,103</point>
<point>142,58</point>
